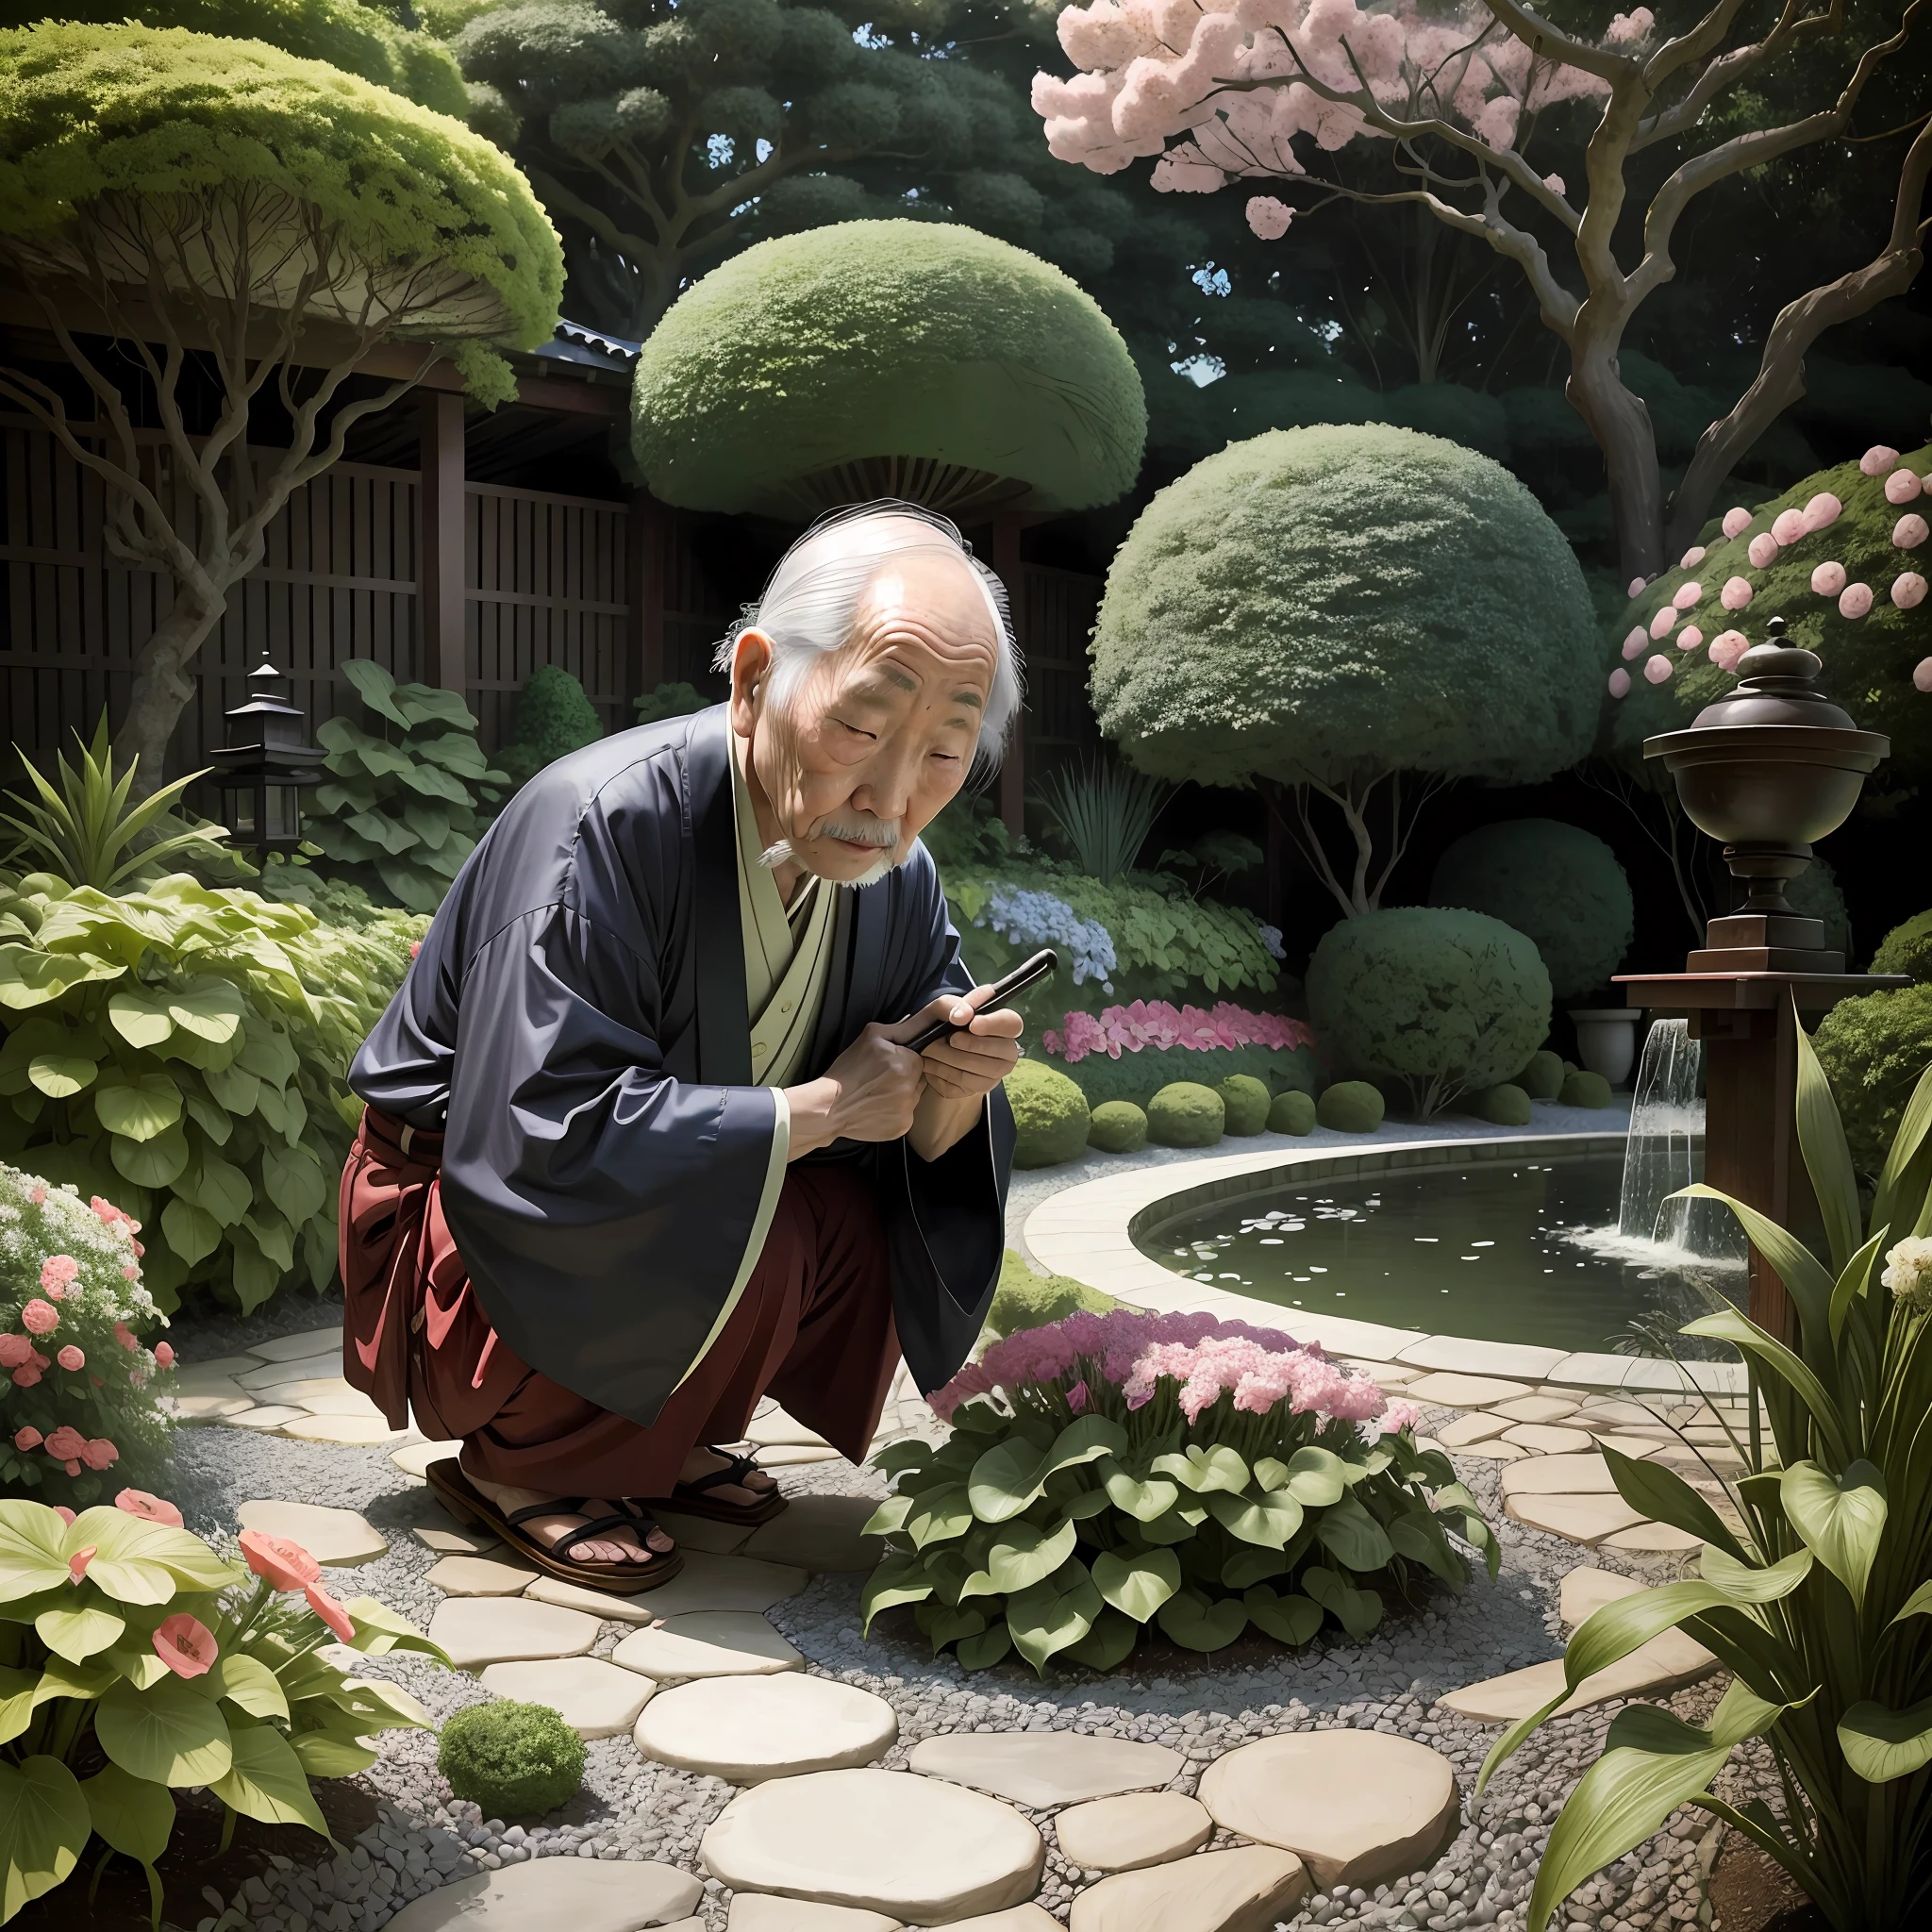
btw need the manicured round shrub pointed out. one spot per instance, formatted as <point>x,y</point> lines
<point>1028,1300</point>
<point>1436,999</point>
<point>1906,948</point>
<point>1139,1076</point>
<point>1350,1106</point>
<point>1873,1051</point>
<point>555,716</point>
<point>1507,1106</point>
<point>1186,1114</point>
<point>1118,1127</point>
<point>1560,885</point>
<point>1585,1089</point>
<point>1292,1112</point>
<point>1541,1078</point>
<point>1246,1101</point>
<point>885,339</point>
<point>1816,893</point>
<point>1051,1114</point>
<point>516,1761</point>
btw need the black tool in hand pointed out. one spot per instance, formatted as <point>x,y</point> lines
<point>1022,976</point>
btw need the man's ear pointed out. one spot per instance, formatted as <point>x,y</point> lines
<point>751,669</point>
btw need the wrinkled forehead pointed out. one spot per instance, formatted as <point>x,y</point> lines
<point>934,592</point>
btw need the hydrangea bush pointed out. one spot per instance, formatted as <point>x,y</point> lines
<point>1030,919</point>
<point>79,1396</point>
<point>1111,1470</point>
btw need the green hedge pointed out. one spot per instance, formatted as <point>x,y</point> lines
<point>1873,1051</point>
<point>1139,1076</point>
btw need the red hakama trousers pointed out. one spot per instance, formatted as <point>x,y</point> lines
<point>812,1328</point>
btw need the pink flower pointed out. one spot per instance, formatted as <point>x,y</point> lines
<point>1909,532</point>
<point>1736,592</point>
<point>185,1645</point>
<point>164,1354</point>
<point>1269,216</point>
<point>149,1508</point>
<point>42,1318</point>
<point>1690,638</point>
<point>1687,595</point>
<point>72,1359</point>
<point>1823,510</point>
<point>1637,585</point>
<point>1787,526</point>
<point>125,1335</point>
<point>1855,601</point>
<point>1633,644</point>
<point>100,1454</point>
<point>1726,648</point>
<point>77,1564</point>
<point>130,1272</point>
<point>1763,549</point>
<point>285,1564</point>
<point>56,1271</point>
<point>27,1377</point>
<point>1076,1396</point>
<point>1664,621</point>
<point>1921,674</point>
<point>1828,579</point>
<point>1736,521</point>
<point>15,1350</point>
<point>66,1441</point>
<point>330,1612</point>
<point>1399,1415</point>
<point>1620,683</point>
<point>1901,486</point>
<point>1692,557</point>
<point>65,1514</point>
<point>1877,459</point>
<point>1909,589</point>
<point>27,1438</point>
<point>415,947</point>
<point>37,1193</point>
<point>1656,669</point>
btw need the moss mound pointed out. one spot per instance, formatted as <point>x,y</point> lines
<point>516,1761</point>
<point>1873,1051</point>
<point>1585,1089</point>
<point>1351,1107</point>
<point>1292,1113</point>
<point>1051,1114</point>
<point>1541,1078</point>
<point>1906,948</point>
<point>1507,1106</point>
<point>1186,1114</point>
<point>1245,1101</point>
<point>1118,1127</point>
<point>1027,1299</point>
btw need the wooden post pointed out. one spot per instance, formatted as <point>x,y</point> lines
<point>646,579</point>
<point>1005,563</point>
<point>441,640</point>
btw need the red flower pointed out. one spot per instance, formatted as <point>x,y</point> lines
<point>415,947</point>
<point>331,1612</point>
<point>185,1645</point>
<point>286,1564</point>
<point>27,1438</point>
<point>125,1335</point>
<point>100,1453</point>
<point>72,1359</point>
<point>42,1318</point>
<point>25,1378</point>
<point>16,1351</point>
<point>77,1564</point>
<point>149,1508</point>
<point>164,1354</point>
<point>66,1441</point>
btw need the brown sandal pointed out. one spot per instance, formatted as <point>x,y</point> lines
<point>471,1508</point>
<point>692,1499</point>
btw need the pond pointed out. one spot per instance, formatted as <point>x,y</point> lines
<point>1501,1250</point>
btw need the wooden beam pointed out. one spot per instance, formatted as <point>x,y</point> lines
<point>1005,563</point>
<point>442,641</point>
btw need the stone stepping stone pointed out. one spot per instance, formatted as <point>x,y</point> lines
<point>1581,1519</point>
<point>595,1603</point>
<point>1700,1460</point>
<point>211,1399</point>
<point>1124,1834</point>
<point>790,1455</point>
<point>477,1631</point>
<point>1040,1769</point>
<point>762,1911</point>
<point>340,1402</point>
<point>464,1576</point>
<point>1385,1374</point>
<point>1586,1590</point>
<point>265,1419</point>
<point>348,1431</point>
<point>1665,1663</point>
<point>449,1539</point>
<point>774,1426</point>
<point>708,1643</point>
<point>297,1393</point>
<point>413,1459</point>
<point>339,1537</point>
<point>915,1848</point>
<point>297,1348</point>
<point>594,1698</point>
<point>1640,1448</point>
<point>1538,1409</point>
<point>1561,1475</point>
<point>701,1532</point>
<point>586,1894</point>
<point>1496,1451</point>
<point>1446,1390</point>
<point>819,1534</point>
<point>1546,1438</point>
<point>747,1729</point>
<point>316,1368</point>
<point>1358,1807</point>
<point>706,1583</point>
<point>1246,1891</point>
<point>1620,1414</point>
<point>1014,1919</point>
<point>1652,1540</point>
<point>1478,1426</point>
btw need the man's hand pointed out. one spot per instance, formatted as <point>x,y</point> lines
<point>966,1065</point>
<point>868,1093</point>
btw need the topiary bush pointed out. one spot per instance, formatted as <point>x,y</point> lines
<point>1585,1089</point>
<point>1246,1101</point>
<point>670,701</point>
<point>885,340</point>
<point>1027,1299</point>
<point>1438,1001</point>
<point>1350,1106</point>
<point>1051,1114</point>
<point>1560,887</point>
<point>1873,1051</point>
<point>1908,949</point>
<point>1505,1105</point>
<point>555,716</point>
<point>1186,1114</point>
<point>1541,1078</point>
<point>1293,1113</point>
<point>1118,1127</point>
<point>516,1761</point>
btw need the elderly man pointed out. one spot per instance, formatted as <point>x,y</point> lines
<point>641,1143</point>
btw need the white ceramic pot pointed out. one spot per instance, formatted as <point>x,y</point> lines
<point>1607,1040</point>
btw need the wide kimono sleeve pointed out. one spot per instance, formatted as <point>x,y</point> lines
<point>608,1213</point>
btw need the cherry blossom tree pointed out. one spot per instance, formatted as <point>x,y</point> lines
<point>1224,90</point>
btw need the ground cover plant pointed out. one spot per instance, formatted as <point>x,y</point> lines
<point>83,1381</point>
<point>1111,1470</point>
<point>1818,1601</point>
<point>136,1660</point>
<point>514,1760</point>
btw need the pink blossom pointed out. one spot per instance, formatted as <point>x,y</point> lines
<point>1909,532</point>
<point>1620,683</point>
<point>1854,600</point>
<point>415,947</point>
<point>164,1354</point>
<point>130,1272</point>
<point>1687,595</point>
<point>1637,585</point>
<point>14,1350</point>
<point>1690,638</point>
<point>1787,526</point>
<point>27,1438</point>
<point>27,1377</point>
<point>1633,644</point>
<point>1269,216</point>
<point>1399,1415</point>
<point>1664,621</point>
<point>1155,1024</point>
<point>1736,521</point>
<point>1823,510</point>
<point>1901,486</point>
<point>37,1193</point>
<point>56,1271</point>
<point>330,1610</point>
<point>1656,669</point>
<point>185,1645</point>
<point>1921,674</point>
<point>1726,648</point>
<point>42,1318</point>
<point>284,1563</point>
<point>1076,1396</point>
<point>1737,592</point>
<point>1692,557</point>
<point>1909,589</point>
<point>1877,459</point>
<point>1828,579</point>
<point>100,1454</point>
<point>77,1564</point>
<point>148,1508</point>
<point>1762,550</point>
<point>72,1359</point>
<point>125,1335</point>
<point>64,1513</point>
<point>66,1441</point>
<point>1554,184</point>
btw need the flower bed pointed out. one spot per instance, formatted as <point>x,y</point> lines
<point>1107,1472</point>
<point>1131,1052</point>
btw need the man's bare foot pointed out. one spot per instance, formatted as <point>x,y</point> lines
<point>619,1546</point>
<point>702,1461</point>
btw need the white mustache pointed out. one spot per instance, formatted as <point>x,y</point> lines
<point>883,834</point>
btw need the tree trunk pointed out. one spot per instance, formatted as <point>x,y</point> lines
<point>1621,424</point>
<point>163,687</point>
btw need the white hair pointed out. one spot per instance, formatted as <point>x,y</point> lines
<point>811,600</point>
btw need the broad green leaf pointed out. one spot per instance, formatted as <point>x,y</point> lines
<point>380,1630</point>
<point>32,1552</point>
<point>1416,1535</point>
<point>377,689</point>
<point>266,1052</point>
<point>1178,1527</point>
<point>1206,1471</point>
<point>265,1780</point>
<point>1292,1618</point>
<point>1142,1501</point>
<point>1881,1744</point>
<point>192,1232</point>
<point>1268,1520</point>
<point>1842,1522</point>
<point>1662,1493</point>
<point>60,1076</point>
<point>234,1087</point>
<point>321,1755</point>
<point>83,1682</point>
<point>211,1009</point>
<point>890,1516</point>
<point>1353,1537</point>
<point>1006,1480</point>
<point>939,1515</point>
<point>982,1652</point>
<point>1111,1638</point>
<point>1740,1330</point>
<point>1357,1611</point>
<point>30,977</point>
<point>138,1106</point>
<point>381,1706</point>
<point>897,1458</point>
<point>213,1120</point>
<point>1745,1583</point>
<point>139,1021</point>
<point>257,1276</point>
<point>1888,1210</point>
<point>139,1562</point>
<point>1084,1440</point>
<point>429,779</point>
<point>17,1704</point>
<point>223,1188</point>
<point>1189,1619</point>
<point>429,824</point>
<point>1316,1477</point>
<point>1025,1555</point>
<point>897,1581</point>
<point>381,830</point>
<point>76,1634</point>
<point>170,1735</point>
<point>1053,1614</point>
<point>1917,1605</point>
<point>44,1829</point>
<point>1803,1274</point>
<point>133,1816</point>
<point>247,1683</point>
<point>141,1668</point>
<point>1251,1565</point>
<point>1828,1159</point>
<point>155,1162</point>
<point>1137,1584</point>
<point>274,1236</point>
<point>425,704</point>
<point>296,1181</point>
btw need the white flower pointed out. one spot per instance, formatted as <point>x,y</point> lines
<point>1909,1272</point>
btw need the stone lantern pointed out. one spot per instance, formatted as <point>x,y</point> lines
<point>266,764</point>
